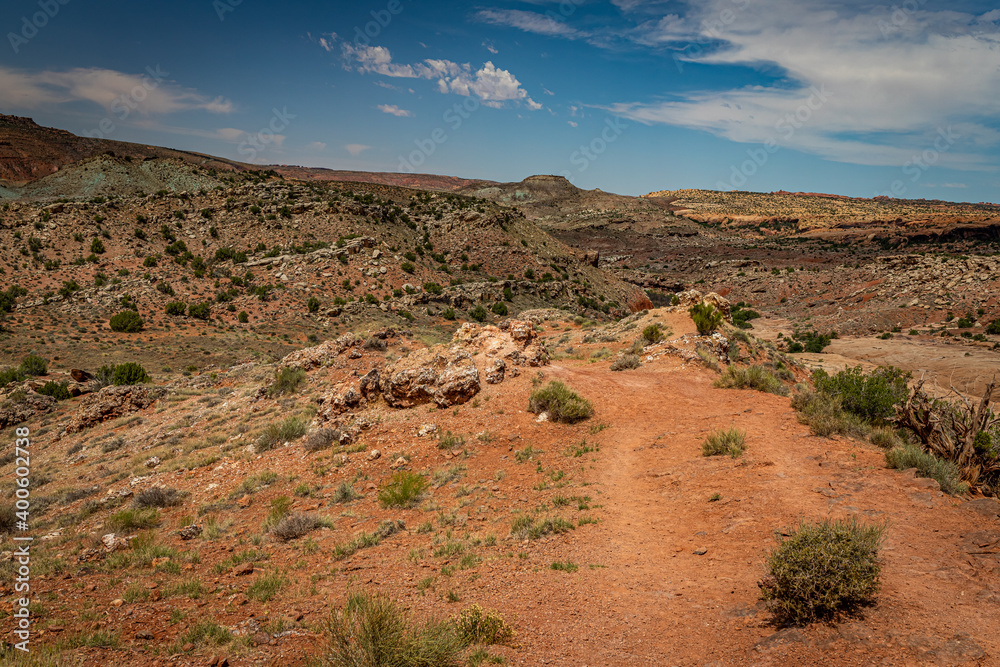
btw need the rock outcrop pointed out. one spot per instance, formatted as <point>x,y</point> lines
<point>447,377</point>
<point>16,410</point>
<point>111,403</point>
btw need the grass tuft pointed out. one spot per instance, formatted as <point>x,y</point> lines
<point>945,473</point>
<point>562,403</point>
<point>731,442</point>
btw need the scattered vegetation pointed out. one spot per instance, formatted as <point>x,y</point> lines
<point>706,317</point>
<point>404,489</point>
<point>751,377</point>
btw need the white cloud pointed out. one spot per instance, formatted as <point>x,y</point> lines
<point>492,85</point>
<point>316,146</point>
<point>528,22</point>
<point>394,110</point>
<point>573,123</point>
<point>356,149</point>
<point>890,85</point>
<point>145,94</point>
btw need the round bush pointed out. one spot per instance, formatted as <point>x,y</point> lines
<point>313,304</point>
<point>499,308</point>
<point>34,365</point>
<point>478,313</point>
<point>706,318</point>
<point>176,308</point>
<point>823,570</point>
<point>127,321</point>
<point>201,311</point>
<point>129,373</point>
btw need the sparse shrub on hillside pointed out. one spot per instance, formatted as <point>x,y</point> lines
<point>57,390</point>
<point>322,438</point>
<point>243,317</point>
<point>133,519</point>
<point>201,311</point>
<point>742,314</point>
<point>370,631</point>
<point>751,377</point>
<point>499,308</point>
<point>403,489</point>
<point>524,527</point>
<point>652,334</point>
<point>810,341</point>
<point>294,525</point>
<point>448,313</point>
<point>97,247</point>
<point>945,473</point>
<point>478,313</point>
<point>884,437</point>
<point>127,321</point>
<point>562,403</point>
<point>34,366</point>
<point>11,375</point>
<point>823,570</point>
<point>176,308</point>
<point>156,496</point>
<point>626,362</point>
<point>313,304</point>
<point>730,442</point>
<point>286,381</point>
<point>706,318</point>
<point>994,328</point>
<point>290,429</point>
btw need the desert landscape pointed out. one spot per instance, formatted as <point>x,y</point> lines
<point>285,416</point>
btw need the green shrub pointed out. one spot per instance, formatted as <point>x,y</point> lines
<point>34,366</point>
<point>97,247</point>
<point>119,375</point>
<point>562,403</point>
<point>730,442</point>
<point>403,489</point>
<point>57,390</point>
<point>478,313</point>
<point>884,437</point>
<point>994,328</point>
<point>525,528</point>
<point>133,519</point>
<point>290,429</point>
<point>824,416</point>
<point>742,314</point>
<point>313,304</point>
<point>176,308</point>
<point>127,321</point>
<point>751,377</point>
<point>945,473</point>
<point>824,570</point>
<point>871,396</point>
<point>201,311</point>
<point>286,381</point>
<point>652,334</point>
<point>265,588</point>
<point>243,317</point>
<point>810,341</point>
<point>372,631</point>
<point>448,313</point>
<point>499,308</point>
<point>706,318</point>
<point>11,375</point>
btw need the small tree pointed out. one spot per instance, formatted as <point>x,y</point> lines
<point>176,308</point>
<point>706,318</point>
<point>97,247</point>
<point>127,321</point>
<point>201,311</point>
<point>313,304</point>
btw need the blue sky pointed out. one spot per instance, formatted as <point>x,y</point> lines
<point>850,97</point>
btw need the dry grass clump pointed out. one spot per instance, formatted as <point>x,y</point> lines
<point>626,362</point>
<point>562,403</point>
<point>157,496</point>
<point>751,377</point>
<point>731,442</point>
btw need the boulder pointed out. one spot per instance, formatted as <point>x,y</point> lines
<point>495,373</point>
<point>691,297</point>
<point>112,403</point>
<point>313,357</point>
<point>448,377</point>
<point>81,376</point>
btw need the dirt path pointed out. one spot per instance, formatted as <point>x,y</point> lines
<point>679,586</point>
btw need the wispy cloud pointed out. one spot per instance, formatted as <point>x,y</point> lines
<point>890,85</point>
<point>394,110</point>
<point>23,90</point>
<point>492,85</point>
<point>541,24</point>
